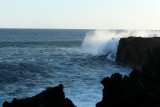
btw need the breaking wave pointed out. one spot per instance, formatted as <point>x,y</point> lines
<point>105,42</point>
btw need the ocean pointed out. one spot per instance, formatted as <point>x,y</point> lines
<point>33,59</point>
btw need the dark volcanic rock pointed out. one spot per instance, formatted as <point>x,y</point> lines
<point>135,51</point>
<point>51,97</point>
<point>130,91</point>
<point>142,87</point>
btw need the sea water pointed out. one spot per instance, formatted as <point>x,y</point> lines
<point>33,59</point>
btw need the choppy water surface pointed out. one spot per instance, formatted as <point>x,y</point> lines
<point>32,60</point>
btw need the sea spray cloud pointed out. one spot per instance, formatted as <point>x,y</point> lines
<point>105,42</point>
<point>102,42</point>
<point>143,33</point>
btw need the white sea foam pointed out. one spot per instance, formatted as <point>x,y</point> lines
<point>105,42</point>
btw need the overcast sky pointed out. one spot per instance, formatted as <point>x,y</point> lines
<point>80,14</point>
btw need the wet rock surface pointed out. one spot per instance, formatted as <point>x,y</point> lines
<point>51,97</point>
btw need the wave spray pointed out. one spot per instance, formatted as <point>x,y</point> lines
<point>105,42</point>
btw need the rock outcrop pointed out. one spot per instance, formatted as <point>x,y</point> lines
<point>135,51</point>
<point>142,87</point>
<point>137,90</point>
<point>51,97</point>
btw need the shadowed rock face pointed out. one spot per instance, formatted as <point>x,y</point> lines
<point>133,91</point>
<point>51,97</point>
<point>135,51</point>
<point>142,87</point>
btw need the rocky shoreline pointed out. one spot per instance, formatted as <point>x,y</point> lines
<point>51,97</point>
<point>140,89</point>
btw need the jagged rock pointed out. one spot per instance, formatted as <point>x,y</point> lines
<point>142,87</point>
<point>130,91</point>
<point>136,51</point>
<point>51,97</point>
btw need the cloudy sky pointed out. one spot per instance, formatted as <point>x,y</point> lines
<point>80,14</point>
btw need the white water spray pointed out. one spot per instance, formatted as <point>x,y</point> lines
<point>105,42</point>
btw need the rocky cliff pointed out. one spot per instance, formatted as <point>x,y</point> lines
<point>135,51</point>
<point>142,87</point>
<point>51,97</point>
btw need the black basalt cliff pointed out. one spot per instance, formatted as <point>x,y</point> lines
<point>51,97</point>
<point>135,51</point>
<point>142,87</point>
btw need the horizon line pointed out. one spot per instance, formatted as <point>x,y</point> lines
<point>80,29</point>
